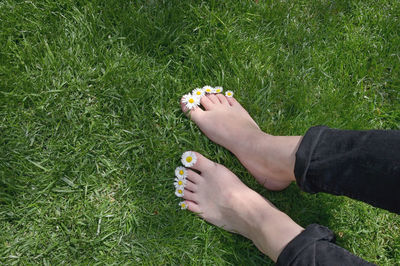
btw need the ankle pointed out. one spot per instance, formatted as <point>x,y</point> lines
<point>281,150</point>
<point>276,234</point>
<point>272,230</point>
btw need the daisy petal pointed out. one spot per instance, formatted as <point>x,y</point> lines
<point>183,205</point>
<point>218,89</point>
<point>188,158</point>
<point>191,101</point>
<point>208,89</point>
<point>229,93</point>
<point>198,92</point>
<point>179,182</point>
<point>179,192</point>
<point>180,172</point>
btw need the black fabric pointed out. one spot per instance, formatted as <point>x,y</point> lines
<point>363,165</point>
<point>315,246</point>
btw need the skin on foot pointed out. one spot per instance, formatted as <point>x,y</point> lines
<point>270,159</point>
<point>218,196</point>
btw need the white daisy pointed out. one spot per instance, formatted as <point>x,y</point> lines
<point>183,205</point>
<point>229,93</point>
<point>218,89</point>
<point>191,101</point>
<point>208,89</point>
<point>198,92</point>
<point>180,182</point>
<point>188,158</point>
<point>179,192</point>
<point>180,172</point>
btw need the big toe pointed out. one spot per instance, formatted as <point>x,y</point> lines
<point>194,113</point>
<point>200,163</point>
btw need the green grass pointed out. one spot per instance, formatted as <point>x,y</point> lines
<point>91,130</point>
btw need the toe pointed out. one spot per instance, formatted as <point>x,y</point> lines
<point>193,114</point>
<point>189,195</point>
<point>222,99</point>
<point>213,98</point>
<point>192,206</point>
<point>190,186</point>
<point>232,101</point>
<point>206,103</point>
<point>202,163</point>
<point>193,176</point>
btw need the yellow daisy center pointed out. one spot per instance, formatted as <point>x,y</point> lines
<point>191,100</point>
<point>180,182</point>
<point>181,172</point>
<point>229,93</point>
<point>198,93</point>
<point>208,90</point>
<point>183,205</point>
<point>179,191</point>
<point>218,90</point>
<point>189,159</point>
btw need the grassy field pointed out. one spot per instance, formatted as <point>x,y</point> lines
<point>91,130</point>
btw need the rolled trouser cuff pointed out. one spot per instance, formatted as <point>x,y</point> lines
<point>315,246</point>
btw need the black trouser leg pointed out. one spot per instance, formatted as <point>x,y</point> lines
<point>363,165</point>
<point>315,246</point>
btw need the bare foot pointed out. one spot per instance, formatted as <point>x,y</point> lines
<point>219,197</point>
<point>270,159</point>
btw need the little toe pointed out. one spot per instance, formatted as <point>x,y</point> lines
<point>192,206</point>
<point>193,113</point>
<point>213,98</point>
<point>232,101</point>
<point>222,99</point>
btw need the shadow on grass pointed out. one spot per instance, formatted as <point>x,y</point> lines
<point>305,208</point>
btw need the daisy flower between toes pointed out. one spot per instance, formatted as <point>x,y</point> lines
<point>179,182</point>
<point>208,89</point>
<point>198,92</point>
<point>218,89</point>
<point>191,101</point>
<point>180,172</point>
<point>179,192</point>
<point>188,158</point>
<point>229,93</point>
<point>183,205</point>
